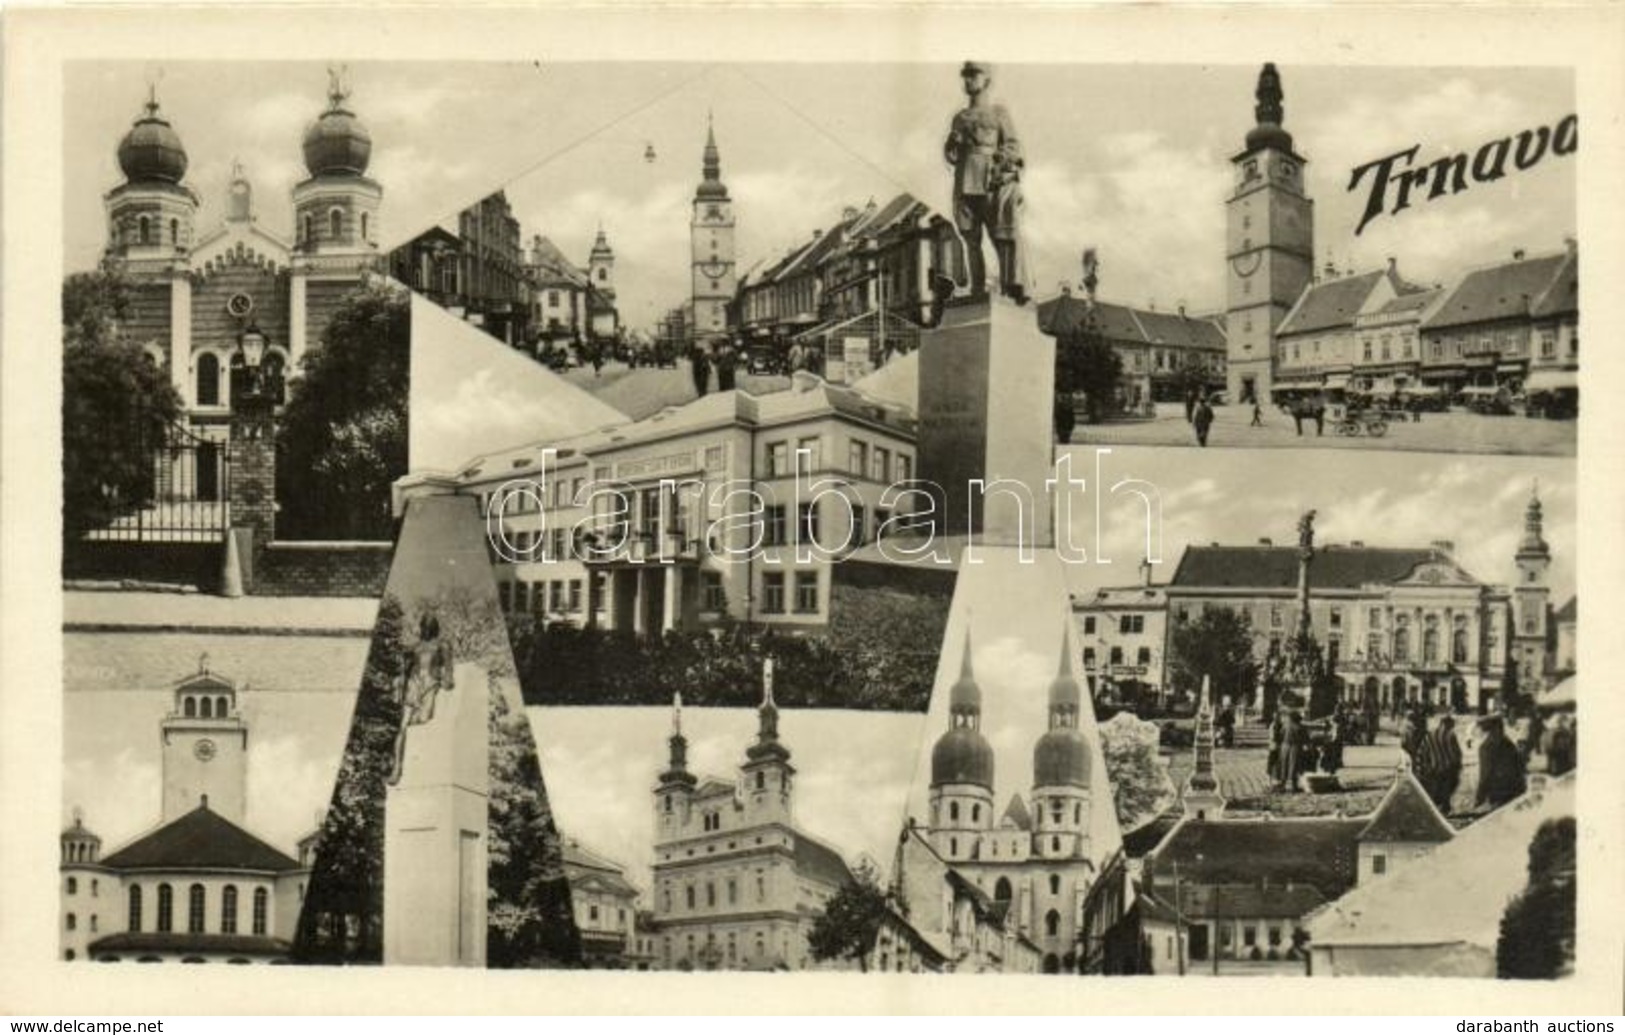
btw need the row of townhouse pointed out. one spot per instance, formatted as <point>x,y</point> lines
<point>1510,325</point>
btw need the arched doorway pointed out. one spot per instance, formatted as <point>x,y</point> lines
<point>1002,891</point>
<point>1052,964</point>
<point>1399,690</point>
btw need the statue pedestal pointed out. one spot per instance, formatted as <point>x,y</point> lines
<point>435,834</point>
<point>986,411</point>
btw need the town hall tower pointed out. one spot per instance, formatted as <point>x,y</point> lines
<point>1269,243</point>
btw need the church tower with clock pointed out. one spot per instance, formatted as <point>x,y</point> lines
<point>711,238</point>
<point>1269,244</point>
<point>205,748</point>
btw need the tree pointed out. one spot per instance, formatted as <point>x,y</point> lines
<point>1085,362</point>
<point>531,922</point>
<point>117,404</point>
<point>851,920</point>
<point>342,441</point>
<point>342,918</point>
<point>1191,375</point>
<point>1140,786</point>
<point>1219,645</point>
<point>1537,929</point>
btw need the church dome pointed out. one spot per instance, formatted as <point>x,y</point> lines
<point>962,755</point>
<point>152,150</point>
<point>337,142</point>
<point>1268,136</point>
<point>1061,759</point>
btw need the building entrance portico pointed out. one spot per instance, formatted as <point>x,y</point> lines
<point>649,599</point>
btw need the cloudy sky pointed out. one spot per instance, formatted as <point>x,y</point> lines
<point>1131,159</point>
<point>1237,496</point>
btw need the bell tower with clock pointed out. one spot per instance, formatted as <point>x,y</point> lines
<point>205,748</point>
<point>711,238</point>
<point>1270,244</point>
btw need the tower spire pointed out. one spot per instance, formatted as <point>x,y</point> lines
<point>677,765</point>
<point>1268,110</point>
<point>767,721</point>
<point>1534,539</point>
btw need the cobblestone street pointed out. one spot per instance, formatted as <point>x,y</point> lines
<point>1454,432</point>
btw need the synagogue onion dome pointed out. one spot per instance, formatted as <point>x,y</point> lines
<point>711,186</point>
<point>1061,756</point>
<point>337,143</point>
<point>1269,113</point>
<point>151,150</point>
<point>963,755</point>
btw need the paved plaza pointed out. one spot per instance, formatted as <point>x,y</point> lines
<point>1366,774</point>
<point>1454,432</point>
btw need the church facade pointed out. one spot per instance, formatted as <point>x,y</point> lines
<point>1035,863</point>
<point>737,884</point>
<point>196,291</point>
<point>199,887</point>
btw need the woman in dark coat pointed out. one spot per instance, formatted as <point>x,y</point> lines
<point>1500,766</point>
<point>700,368</point>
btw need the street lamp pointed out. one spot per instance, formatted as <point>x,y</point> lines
<point>251,343</point>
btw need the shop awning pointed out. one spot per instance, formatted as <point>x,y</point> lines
<point>1552,381</point>
<point>1335,381</point>
<point>1443,373</point>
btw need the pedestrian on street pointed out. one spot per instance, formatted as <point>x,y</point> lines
<point>1500,767</point>
<point>1297,415</point>
<point>1320,416</point>
<point>726,361</point>
<point>1534,730</point>
<point>1440,764</point>
<point>1190,405</point>
<point>1558,746</point>
<point>1294,746</point>
<point>700,367</point>
<point>1258,415</point>
<point>798,357</point>
<point>1203,420</point>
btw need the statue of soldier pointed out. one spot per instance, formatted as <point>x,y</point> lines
<point>986,156</point>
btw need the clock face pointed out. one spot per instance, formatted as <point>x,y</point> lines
<point>204,750</point>
<point>714,270</point>
<point>239,305</point>
<point>1247,265</point>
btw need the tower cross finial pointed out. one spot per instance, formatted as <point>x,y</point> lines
<point>677,714</point>
<point>336,91</point>
<point>154,77</point>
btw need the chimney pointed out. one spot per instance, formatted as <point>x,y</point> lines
<point>1145,572</point>
<point>1393,266</point>
<point>1572,245</point>
<point>1517,254</point>
<point>1265,540</point>
<point>849,213</point>
<point>1182,308</point>
<point>817,234</point>
<point>1444,546</point>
